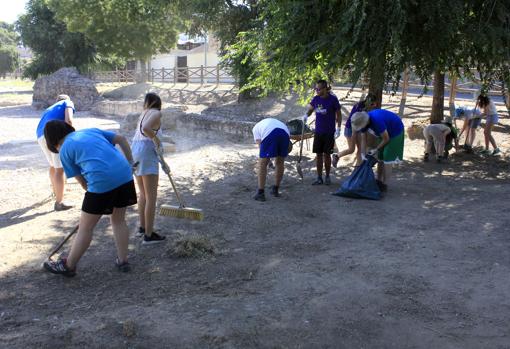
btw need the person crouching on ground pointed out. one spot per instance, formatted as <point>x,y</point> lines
<point>327,114</point>
<point>439,135</point>
<point>273,138</point>
<point>106,175</point>
<point>62,110</point>
<point>388,127</point>
<point>353,139</point>
<point>145,146</point>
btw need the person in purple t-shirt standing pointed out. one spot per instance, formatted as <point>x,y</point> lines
<point>327,114</point>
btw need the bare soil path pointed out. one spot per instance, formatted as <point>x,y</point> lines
<point>426,267</point>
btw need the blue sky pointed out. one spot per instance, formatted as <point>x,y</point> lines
<point>11,9</point>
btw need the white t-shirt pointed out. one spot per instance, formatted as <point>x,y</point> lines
<point>491,109</point>
<point>264,127</point>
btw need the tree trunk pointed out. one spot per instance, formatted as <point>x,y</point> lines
<point>438,100</point>
<point>376,83</point>
<point>141,76</point>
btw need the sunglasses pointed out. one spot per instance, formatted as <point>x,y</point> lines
<point>318,89</point>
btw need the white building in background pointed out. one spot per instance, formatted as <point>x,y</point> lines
<point>193,54</point>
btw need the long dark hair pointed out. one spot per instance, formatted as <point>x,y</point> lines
<point>483,100</point>
<point>152,100</point>
<point>54,132</point>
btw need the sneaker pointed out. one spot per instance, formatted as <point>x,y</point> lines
<point>318,181</point>
<point>327,180</point>
<point>426,157</point>
<point>274,191</point>
<point>334,160</point>
<point>60,206</point>
<point>59,267</point>
<point>153,239</point>
<point>485,152</point>
<point>382,187</point>
<point>123,267</point>
<point>496,151</point>
<point>259,197</point>
<point>140,232</point>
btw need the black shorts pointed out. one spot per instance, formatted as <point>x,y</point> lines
<point>323,143</point>
<point>103,203</point>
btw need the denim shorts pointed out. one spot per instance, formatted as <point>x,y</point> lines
<point>145,153</point>
<point>474,123</point>
<point>493,119</point>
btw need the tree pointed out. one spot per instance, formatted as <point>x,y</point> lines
<point>131,29</point>
<point>8,35</point>
<point>226,19</point>
<point>53,46</point>
<point>8,59</point>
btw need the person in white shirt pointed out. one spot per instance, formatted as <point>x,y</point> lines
<point>490,113</point>
<point>273,139</point>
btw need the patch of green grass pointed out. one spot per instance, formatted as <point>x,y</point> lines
<point>16,84</point>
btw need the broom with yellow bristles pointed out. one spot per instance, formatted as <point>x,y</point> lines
<point>180,211</point>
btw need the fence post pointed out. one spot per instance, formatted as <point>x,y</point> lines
<point>217,74</point>
<point>404,93</point>
<point>175,74</point>
<point>162,74</point>
<point>453,94</point>
<point>201,75</point>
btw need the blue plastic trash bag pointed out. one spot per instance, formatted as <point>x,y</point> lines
<point>361,183</point>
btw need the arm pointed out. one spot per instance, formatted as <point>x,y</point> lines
<point>339,118</point>
<point>82,181</point>
<point>363,148</point>
<point>124,145</point>
<point>69,115</point>
<point>385,139</point>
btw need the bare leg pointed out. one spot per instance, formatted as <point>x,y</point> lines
<point>380,171</point>
<point>487,133</point>
<point>351,147</point>
<point>150,187</point>
<point>263,162</point>
<point>388,168</point>
<point>141,201</point>
<point>83,238</point>
<point>120,233</point>
<point>57,183</point>
<point>327,163</point>
<point>319,164</point>
<point>279,170</point>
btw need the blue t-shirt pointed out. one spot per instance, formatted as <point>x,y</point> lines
<point>91,153</point>
<point>54,112</point>
<point>325,113</point>
<point>384,120</point>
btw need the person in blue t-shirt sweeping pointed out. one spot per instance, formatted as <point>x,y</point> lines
<point>90,156</point>
<point>388,127</point>
<point>327,114</point>
<point>62,110</point>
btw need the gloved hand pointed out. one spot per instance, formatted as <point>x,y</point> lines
<point>337,132</point>
<point>305,118</point>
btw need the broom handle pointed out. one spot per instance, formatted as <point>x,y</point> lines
<point>166,169</point>
<point>56,249</point>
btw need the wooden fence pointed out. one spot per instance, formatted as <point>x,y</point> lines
<point>191,75</point>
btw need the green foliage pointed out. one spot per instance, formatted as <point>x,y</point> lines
<point>8,35</point>
<point>227,20</point>
<point>123,28</point>
<point>8,59</point>
<point>53,46</point>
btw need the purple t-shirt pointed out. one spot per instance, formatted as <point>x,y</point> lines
<point>325,113</point>
<point>384,120</point>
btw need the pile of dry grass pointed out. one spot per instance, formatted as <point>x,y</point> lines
<point>192,246</point>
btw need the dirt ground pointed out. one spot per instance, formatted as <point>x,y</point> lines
<point>426,267</point>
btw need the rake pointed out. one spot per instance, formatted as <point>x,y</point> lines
<point>180,211</point>
<point>62,243</point>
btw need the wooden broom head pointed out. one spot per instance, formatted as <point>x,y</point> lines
<point>181,212</point>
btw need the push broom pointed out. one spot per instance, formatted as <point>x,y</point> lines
<point>180,211</point>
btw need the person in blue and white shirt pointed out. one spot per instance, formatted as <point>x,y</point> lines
<point>273,138</point>
<point>62,110</point>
